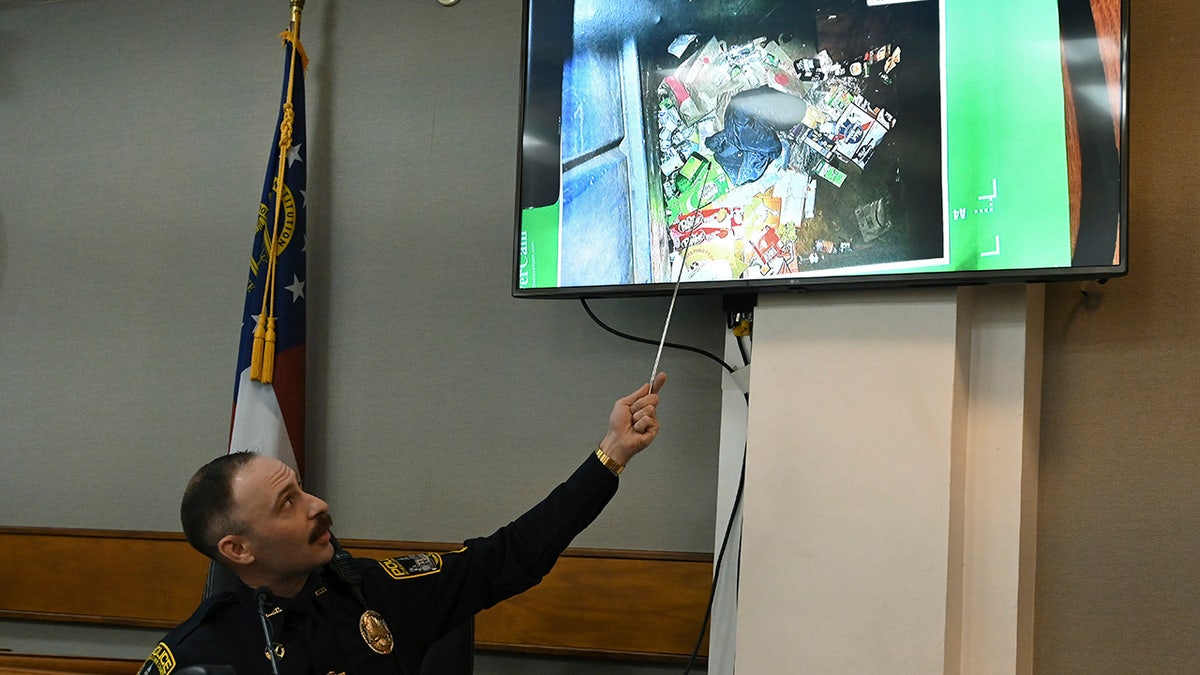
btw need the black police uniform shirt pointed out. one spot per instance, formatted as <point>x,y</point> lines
<point>420,597</point>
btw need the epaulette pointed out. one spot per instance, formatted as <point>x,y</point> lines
<point>197,618</point>
<point>162,660</point>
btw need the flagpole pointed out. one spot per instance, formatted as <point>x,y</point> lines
<point>297,8</point>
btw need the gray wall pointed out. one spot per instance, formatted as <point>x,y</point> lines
<point>1118,588</point>
<point>132,144</point>
<point>136,136</point>
<point>133,141</point>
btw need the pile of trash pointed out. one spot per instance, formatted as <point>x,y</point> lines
<point>745,133</point>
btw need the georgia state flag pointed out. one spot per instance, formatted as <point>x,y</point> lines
<point>269,417</point>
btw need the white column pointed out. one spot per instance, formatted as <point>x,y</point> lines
<point>999,477</point>
<point>723,631</point>
<point>890,482</point>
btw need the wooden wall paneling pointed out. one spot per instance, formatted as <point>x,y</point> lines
<point>637,605</point>
<point>30,664</point>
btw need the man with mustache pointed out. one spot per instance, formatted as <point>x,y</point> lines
<point>329,613</point>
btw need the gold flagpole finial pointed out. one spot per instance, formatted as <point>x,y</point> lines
<point>297,9</point>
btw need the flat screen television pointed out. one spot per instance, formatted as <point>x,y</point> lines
<point>745,146</point>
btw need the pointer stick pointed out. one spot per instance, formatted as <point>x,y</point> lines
<point>670,309</point>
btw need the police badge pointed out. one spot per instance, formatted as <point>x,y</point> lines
<point>375,632</point>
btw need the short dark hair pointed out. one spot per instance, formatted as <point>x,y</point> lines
<point>205,510</point>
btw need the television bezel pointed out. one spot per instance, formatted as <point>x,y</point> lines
<point>890,280</point>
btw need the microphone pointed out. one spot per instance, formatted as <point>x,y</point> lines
<point>343,566</point>
<point>260,594</point>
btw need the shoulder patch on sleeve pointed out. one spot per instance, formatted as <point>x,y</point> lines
<point>161,661</point>
<point>411,566</point>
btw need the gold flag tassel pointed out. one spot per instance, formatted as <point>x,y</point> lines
<point>262,354</point>
<point>256,352</point>
<point>268,364</point>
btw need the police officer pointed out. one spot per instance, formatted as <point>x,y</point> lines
<point>326,612</point>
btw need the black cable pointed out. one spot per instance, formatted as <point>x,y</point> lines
<point>673,345</point>
<point>737,499</point>
<point>742,348</point>
<point>712,591</point>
